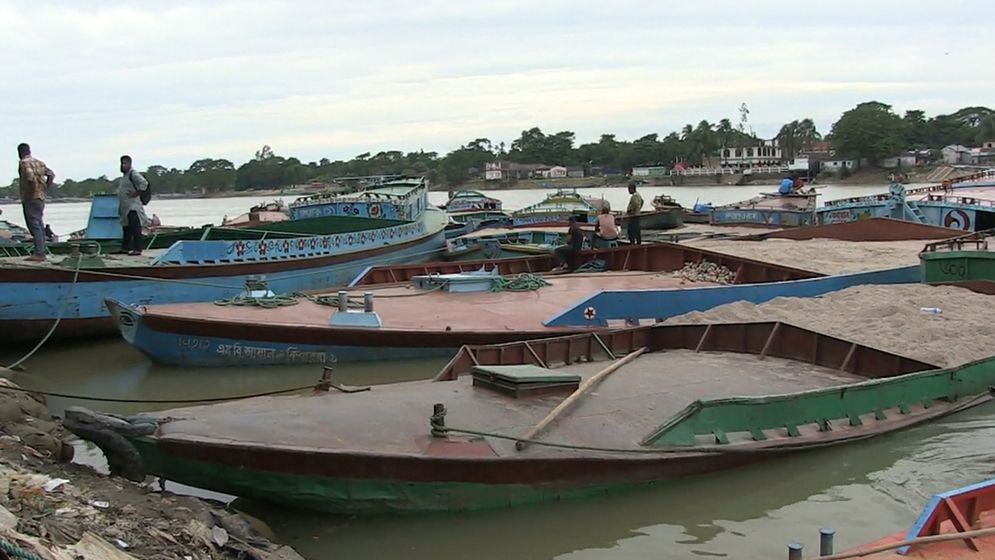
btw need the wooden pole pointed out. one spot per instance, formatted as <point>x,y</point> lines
<point>576,395</point>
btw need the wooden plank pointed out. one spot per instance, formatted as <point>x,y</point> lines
<point>770,340</point>
<point>704,336</point>
<point>534,355</point>
<point>575,396</point>
<point>849,357</point>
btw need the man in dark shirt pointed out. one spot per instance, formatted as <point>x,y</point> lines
<point>565,256</point>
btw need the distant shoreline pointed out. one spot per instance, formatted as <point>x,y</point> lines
<point>864,177</point>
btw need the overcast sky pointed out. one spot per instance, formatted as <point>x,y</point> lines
<point>170,82</point>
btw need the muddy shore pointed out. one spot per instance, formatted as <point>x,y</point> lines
<point>60,510</point>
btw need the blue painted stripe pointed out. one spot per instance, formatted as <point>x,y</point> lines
<point>934,502</point>
<point>190,350</point>
<point>43,300</point>
<point>610,305</point>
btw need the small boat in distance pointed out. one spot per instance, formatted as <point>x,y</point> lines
<point>264,213</point>
<point>557,207</point>
<point>769,210</point>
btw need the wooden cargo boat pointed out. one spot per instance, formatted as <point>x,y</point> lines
<point>434,315</point>
<point>966,203</point>
<point>556,207</point>
<point>474,206</point>
<point>657,219</point>
<point>965,261</point>
<point>551,419</point>
<point>768,210</point>
<point>72,290</point>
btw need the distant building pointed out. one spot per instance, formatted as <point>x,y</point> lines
<point>908,159</point>
<point>984,155</point>
<point>650,171</point>
<point>554,172</point>
<point>765,153</point>
<point>575,172</point>
<point>510,171</point>
<point>956,154</point>
<point>837,165</point>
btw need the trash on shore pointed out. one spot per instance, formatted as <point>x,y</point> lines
<point>61,511</point>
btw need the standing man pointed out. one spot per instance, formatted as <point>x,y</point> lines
<point>35,178</point>
<point>632,211</point>
<point>130,206</point>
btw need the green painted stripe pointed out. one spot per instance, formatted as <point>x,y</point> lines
<point>357,496</point>
<point>749,414</point>
<point>957,266</point>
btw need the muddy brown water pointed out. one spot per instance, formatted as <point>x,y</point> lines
<point>863,490</point>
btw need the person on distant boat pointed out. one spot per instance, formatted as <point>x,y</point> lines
<point>156,222</point>
<point>35,178</point>
<point>605,228</point>
<point>50,235</point>
<point>565,256</point>
<point>634,229</point>
<point>787,185</point>
<point>130,208</point>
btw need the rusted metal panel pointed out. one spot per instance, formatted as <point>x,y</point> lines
<point>872,229</point>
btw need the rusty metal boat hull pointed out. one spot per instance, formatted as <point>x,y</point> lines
<point>335,451</point>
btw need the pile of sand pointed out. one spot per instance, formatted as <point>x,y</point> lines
<point>828,256</point>
<point>883,317</point>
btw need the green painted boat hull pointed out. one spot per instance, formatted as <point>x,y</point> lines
<point>359,496</point>
<point>945,267</point>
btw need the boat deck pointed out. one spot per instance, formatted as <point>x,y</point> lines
<point>110,261</point>
<point>403,308</point>
<point>624,408</point>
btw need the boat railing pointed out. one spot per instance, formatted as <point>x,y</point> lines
<point>884,398</point>
<point>986,174</point>
<point>765,339</point>
<point>978,238</point>
<point>965,200</point>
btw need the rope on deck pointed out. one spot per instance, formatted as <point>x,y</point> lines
<point>524,282</point>
<point>156,401</point>
<point>596,265</point>
<point>266,302</point>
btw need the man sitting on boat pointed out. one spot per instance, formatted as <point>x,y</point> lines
<point>605,230</point>
<point>787,186</point>
<point>565,256</point>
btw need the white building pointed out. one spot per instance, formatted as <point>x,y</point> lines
<point>836,165</point>
<point>764,154</point>
<point>906,160</point>
<point>956,154</point>
<point>555,172</point>
<point>492,171</point>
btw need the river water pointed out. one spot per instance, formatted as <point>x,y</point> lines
<point>864,490</point>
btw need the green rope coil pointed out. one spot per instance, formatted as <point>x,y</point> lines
<point>524,282</point>
<point>596,265</point>
<point>266,302</point>
<point>16,551</point>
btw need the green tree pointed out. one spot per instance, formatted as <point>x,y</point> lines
<point>212,175</point>
<point>870,130</point>
<point>916,129</point>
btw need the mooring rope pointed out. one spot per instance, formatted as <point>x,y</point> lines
<point>524,282</point>
<point>58,319</point>
<point>156,401</point>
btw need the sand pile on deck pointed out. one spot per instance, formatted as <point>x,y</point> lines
<point>884,317</point>
<point>828,256</point>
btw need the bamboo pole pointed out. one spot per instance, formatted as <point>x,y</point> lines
<point>946,537</point>
<point>576,395</point>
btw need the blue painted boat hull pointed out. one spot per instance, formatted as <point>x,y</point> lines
<point>212,351</point>
<point>28,308</point>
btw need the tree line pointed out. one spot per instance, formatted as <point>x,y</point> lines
<point>870,130</point>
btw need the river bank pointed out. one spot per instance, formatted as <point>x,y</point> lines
<point>59,510</point>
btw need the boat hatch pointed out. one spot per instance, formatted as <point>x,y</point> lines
<point>524,380</point>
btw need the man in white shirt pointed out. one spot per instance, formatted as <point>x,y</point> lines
<point>130,207</point>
